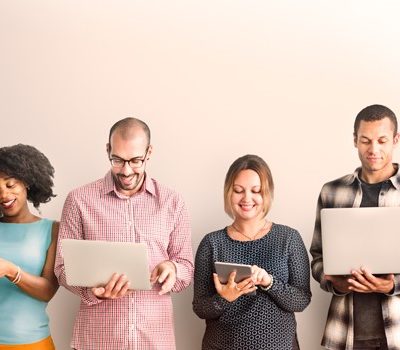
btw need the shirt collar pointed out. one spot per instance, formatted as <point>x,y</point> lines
<point>395,179</point>
<point>109,186</point>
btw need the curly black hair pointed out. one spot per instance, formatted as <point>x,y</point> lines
<point>27,164</point>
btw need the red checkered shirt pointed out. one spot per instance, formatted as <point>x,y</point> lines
<point>142,320</point>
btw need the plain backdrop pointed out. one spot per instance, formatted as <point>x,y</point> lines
<point>214,79</point>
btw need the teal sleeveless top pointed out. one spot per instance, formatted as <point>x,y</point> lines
<point>23,319</point>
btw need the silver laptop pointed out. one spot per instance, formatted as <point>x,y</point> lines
<point>92,263</point>
<point>355,237</point>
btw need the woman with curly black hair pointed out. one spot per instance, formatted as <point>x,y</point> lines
<point>27,249</point>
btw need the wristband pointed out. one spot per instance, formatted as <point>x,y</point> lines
<point>17,277</point>
<point>270,284</point>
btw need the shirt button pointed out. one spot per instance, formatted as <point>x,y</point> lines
<point>131,327</point>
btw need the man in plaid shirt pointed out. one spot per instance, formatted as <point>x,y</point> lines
<point>129,206</point>
<point>365,308</point>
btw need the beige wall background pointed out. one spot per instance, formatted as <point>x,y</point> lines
<point>214,79</point>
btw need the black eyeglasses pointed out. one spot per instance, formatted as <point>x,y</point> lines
<point>134,163</point>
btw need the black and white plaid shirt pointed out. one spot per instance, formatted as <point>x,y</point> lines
<point>346,192</point>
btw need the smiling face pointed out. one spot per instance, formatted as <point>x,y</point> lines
<point>246,199</point>
<point>375,141</point>
<point>132,146</point>
<point>13,199</point>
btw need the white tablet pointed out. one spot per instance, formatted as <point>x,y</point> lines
<point>224,269</point>
<point>92,263</point>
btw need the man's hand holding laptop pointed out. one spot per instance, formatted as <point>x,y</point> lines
<point>118,286</point>
<point>362,281</point>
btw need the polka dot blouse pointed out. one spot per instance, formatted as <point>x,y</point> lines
<point>253,322</point>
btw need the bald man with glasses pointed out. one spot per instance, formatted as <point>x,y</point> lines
<point>127,205</point>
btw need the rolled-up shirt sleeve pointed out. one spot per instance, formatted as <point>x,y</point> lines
<point>180,249</point>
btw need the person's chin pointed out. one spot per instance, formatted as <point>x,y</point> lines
<point>128,187</point>
<point>372,165</point>
<point>247,215</point>
<point>132,185</point>
<point>9,213</point>
<point>127,181</point>
<point>375,167</point>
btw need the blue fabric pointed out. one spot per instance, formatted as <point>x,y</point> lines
<point>23,319</point>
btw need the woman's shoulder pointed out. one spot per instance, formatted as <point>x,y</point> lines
<point>51,227</point>
<point>215,236</point>
<point>49,222</point>
<point>286,231</point>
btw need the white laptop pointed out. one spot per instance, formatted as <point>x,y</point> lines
<point>92,263</point>
<point>355,237</point>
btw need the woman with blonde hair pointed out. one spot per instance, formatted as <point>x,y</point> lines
<point>258,312</point>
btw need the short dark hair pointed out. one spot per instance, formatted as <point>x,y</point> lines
<point>373,113</point>
<point>257,164</point>
<point>125,124</point>
<point>27,164</point>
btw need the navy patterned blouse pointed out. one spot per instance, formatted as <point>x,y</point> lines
<point>253,322</point>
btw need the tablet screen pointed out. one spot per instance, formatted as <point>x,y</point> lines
<point>224,269</point>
